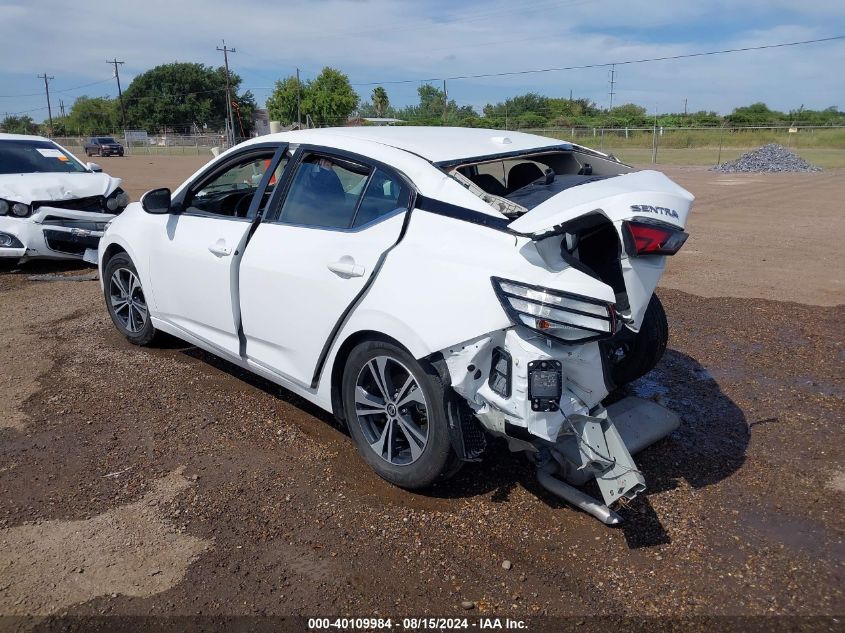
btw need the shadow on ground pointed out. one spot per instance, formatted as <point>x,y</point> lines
<point>709,446</point>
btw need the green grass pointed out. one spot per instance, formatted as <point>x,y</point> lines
<point>826,158</point>
<point>822,147</point>
<point>833,138</point>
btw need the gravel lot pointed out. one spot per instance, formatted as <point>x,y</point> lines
<point>165,481</point>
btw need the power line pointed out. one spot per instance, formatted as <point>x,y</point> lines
<point>603,64</point>
<point>38,94</point>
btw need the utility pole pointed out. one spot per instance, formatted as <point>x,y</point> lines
<point>115,63</point>
<point>445,101</point>
<point>298,112</point>
<point>230,125</point>
<point>685,106</point>
<point>62,107</point>
<point>49,108</point>
<point>612,84</point>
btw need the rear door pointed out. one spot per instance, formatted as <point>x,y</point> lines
<point>193,266</point>
<point>308,262</point>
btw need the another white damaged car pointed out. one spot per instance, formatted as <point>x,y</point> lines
<point>51,205</point>
<point>432,287</point>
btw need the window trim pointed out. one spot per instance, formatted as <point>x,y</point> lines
<point>364,195</point>
<point>217,168</point>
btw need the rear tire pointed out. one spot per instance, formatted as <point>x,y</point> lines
<point>126,302</point>
<point>647,347</point>
<point>395,408</point>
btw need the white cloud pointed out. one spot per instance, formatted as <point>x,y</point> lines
<point>380,40</point>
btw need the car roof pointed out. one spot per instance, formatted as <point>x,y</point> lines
<point>22,137</point>
<point>435,144</point>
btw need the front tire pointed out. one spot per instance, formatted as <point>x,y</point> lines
<point>647,347</point>
<point>126,302</point>
<point>396,413</point>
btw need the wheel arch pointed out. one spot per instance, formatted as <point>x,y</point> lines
<point>339,363</point>
<point>111,250</point>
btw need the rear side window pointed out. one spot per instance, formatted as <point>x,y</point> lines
<point>384,194</point>
<point>324,192</point>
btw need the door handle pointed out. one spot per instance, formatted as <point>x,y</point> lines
<point>219,248</point>
<point>346,267</point>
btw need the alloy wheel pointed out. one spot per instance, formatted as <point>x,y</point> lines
<point>391,410</point>
<point>127,300</point>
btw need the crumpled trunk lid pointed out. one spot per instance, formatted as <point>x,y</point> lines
<point>642,194</point>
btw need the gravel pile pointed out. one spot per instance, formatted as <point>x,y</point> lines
<point>769,158</point>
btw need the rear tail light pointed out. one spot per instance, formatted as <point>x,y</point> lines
<point>562,315</point>
<point>652,238</point>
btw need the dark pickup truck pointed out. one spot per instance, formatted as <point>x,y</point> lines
<point>103,146</point>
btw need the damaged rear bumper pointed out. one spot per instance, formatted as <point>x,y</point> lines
<point>545,398</point>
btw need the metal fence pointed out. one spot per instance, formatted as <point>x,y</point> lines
<point>703,146</point>
<point>158,144</point>
<point>679,145</point>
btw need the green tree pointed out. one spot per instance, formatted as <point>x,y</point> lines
<point>184,96</point>
<point>626,115</point>
<point>12,124</point>
<point>281,105</point>
<point>91,115</point>
<point>430,110</point>
<point>329,99</point>
<point>755,114</point>
<point>432,101</point>
<point>381,102</point>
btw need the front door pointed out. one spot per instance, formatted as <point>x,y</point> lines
<point>194,265</point>
<point>305,266</point>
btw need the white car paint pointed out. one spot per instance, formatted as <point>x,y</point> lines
<point>43,188</point>
<point>282,299</point>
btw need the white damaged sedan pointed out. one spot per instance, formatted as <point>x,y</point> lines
<point>52,205</point>
<point>431,287</point>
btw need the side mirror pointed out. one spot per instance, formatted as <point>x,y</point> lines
<point>156,201</point>
<point>94,167</point>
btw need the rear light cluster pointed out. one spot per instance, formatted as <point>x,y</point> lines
<point>652,238</point>
<point>561,315</point>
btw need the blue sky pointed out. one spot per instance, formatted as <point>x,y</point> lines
<point>380,40</point>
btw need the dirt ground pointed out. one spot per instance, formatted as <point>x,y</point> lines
<point>164,481</point>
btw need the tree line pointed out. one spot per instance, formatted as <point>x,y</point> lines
<point>182,96</point>
<point>191,98</point>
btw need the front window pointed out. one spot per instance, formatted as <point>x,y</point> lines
<point>230,193</point>
<point>34,157</point>
<point>107,140</point>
